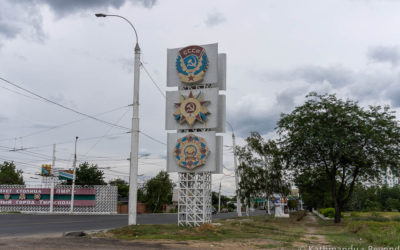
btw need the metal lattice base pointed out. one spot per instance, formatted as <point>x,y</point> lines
<point>194,200</point>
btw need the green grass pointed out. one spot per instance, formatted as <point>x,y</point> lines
<point>358,230</point>
<point>282,232</point>
<point>389,215</point>
<point>364,229</point>
<point>10,212</point>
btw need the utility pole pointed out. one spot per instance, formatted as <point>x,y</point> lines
<point>73,180</point>
<point>134,163</point>
<point>53,164</point>
<point>237,176</point>
<point>238,204</point>
<point>219,198</point>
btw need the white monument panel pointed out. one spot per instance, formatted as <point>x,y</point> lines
<point>220,167</point>
<point>211,74</point>
<point>213,159</point>
<point>174,110</point>
<point>221,72</point>
<point>221,114</point>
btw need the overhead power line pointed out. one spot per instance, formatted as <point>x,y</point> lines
<point>108,131</point>
<point>152,80</point>
<point>63,106</point>
<point>152,138</point>
<point>61,125</point>
<point>83,114</point>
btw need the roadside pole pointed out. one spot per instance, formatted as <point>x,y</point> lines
<point>219,198</point>
<point>73,180</point>
<point>53,164</point>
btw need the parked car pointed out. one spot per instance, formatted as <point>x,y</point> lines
<point>224,210</point>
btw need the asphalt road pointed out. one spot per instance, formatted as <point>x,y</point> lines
<point>29,224</point>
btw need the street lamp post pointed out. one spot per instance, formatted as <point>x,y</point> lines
<point>238,204</point>
<point>134,159</point>
<point>73,179</point>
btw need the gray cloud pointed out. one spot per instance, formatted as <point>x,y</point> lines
<point>63,8</point>
<point>385,54</point>
<point>364,86</point>
<point>126,63</point>
<point>214,19</point>
<point>42,126</point>
<point>3,118</point>
<point>20,18</point>
<point>24,16</point>
<point>257,115</point>
<point>247,123</point>
<point>337,76</point>
<point>8,29</point>
<point>395,97</point>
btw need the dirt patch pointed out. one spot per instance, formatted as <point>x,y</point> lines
<point>312,237</point>
<point>84,243</point>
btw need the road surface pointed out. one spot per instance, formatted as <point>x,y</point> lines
<point>29,224</point>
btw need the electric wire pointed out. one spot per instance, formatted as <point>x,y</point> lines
<point>152,138</point>
<point>61,125</point>
<point>16,92</point>
<point>108,131</point>
<point>63,106</point>
<point>152,80</point>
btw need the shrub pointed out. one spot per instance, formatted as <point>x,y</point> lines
<point>327,212</point>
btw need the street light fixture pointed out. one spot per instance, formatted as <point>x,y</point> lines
<point>134,162</point>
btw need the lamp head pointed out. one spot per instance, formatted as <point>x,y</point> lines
<point>100,15</point>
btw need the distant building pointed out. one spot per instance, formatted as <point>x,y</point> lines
<point>389,179</point>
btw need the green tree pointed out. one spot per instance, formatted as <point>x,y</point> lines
<point>345,141</point>
<point>123,187</point>
<point>158,191</point>
<point>313,189</point>
<point>9,174</point>
<point>88,175</point>
<point>261,169</point>
<point>214,200</point>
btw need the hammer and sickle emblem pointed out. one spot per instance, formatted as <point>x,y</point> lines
<point>190,107</point>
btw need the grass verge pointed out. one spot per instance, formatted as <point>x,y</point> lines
<point>279,232</point>
<point>363,230</point>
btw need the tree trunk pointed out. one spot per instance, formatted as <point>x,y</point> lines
<point>338,210</point>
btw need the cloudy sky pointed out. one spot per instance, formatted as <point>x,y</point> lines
<point>278,51</point>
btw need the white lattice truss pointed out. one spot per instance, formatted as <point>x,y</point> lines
<point>194,200</point>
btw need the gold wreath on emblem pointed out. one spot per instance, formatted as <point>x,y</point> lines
<point>191,151</point>
<point>191,109</point>
<point>36,196</point>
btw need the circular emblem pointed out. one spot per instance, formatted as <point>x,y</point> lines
<point>192,63</point>
<point>36,196</point>
<point>191,108</point>
<point>6,197</point>
<point>191,151</point>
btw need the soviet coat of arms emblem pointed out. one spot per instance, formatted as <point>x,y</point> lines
<point>192,63</point>
<point>191,151</point>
